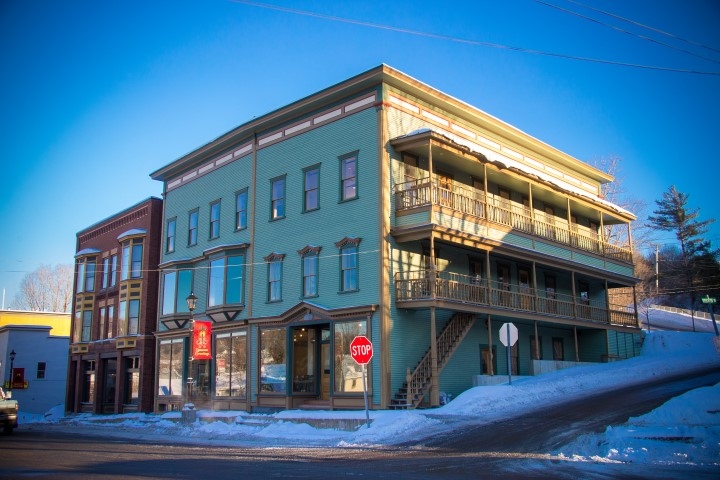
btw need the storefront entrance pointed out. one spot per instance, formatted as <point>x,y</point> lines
<point>311,361</point>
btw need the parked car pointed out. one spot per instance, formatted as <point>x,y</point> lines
<point>8,412</point>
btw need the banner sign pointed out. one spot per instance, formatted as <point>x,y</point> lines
<point>18,379</point>
<point>202,340</point>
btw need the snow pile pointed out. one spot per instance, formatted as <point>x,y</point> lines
<point>686,430</point>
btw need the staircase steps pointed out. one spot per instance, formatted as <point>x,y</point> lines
<point>417,385</point>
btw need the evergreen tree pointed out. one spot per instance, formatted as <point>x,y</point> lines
<point>697,266</point>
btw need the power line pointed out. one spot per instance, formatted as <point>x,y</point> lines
<point>469,42</point>
<point>652,40</point>
<point>682,39</point>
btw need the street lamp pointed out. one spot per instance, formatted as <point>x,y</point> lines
<point>191,303</point>
<point>12,362</point>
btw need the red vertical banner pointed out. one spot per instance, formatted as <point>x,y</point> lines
<point>18,378</point>
<point>202,341</point>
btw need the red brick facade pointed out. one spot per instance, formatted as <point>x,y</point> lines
<point>112,348</point>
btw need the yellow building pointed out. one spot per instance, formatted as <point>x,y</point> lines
<point>60,322</point>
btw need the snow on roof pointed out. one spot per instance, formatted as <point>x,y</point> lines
<point>510,163</point>
<point>132,232</point>
<point>87,251</point>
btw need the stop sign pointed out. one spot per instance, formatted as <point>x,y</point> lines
<point>361,349</point>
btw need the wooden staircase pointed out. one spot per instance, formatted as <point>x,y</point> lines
<point>417,383</point>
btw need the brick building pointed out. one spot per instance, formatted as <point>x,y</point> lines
<point>112,348</point>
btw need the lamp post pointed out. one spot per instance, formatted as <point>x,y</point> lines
<point>12,362</point>
<point>191,303</point>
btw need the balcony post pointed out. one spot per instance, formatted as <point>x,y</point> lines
<point>434,384</point>
<point>577,351</point>
<point>574,295</point>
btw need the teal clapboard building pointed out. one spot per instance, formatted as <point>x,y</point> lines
<point>383,207</point>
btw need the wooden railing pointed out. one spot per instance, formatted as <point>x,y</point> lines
<point>417,382</point>
<point>426,285</point>
<point>422,192</point>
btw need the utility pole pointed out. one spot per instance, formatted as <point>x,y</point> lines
<point>657,274</point>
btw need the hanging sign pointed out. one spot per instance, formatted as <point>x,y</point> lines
<point>202,340</point>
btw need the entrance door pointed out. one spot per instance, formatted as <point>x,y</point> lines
<point>325,363</point>
<point>200,391</point>
<point>488,361</point>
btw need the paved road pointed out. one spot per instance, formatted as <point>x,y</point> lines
<point>516,448</point>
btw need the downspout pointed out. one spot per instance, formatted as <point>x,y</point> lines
<point>434,383</point>
<point>385,285</point>
<point>251,248</point>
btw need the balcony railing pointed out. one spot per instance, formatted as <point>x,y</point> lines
<point>426,285</point>
<point>469,201</point>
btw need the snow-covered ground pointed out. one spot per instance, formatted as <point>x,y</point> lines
<point>684,431</point>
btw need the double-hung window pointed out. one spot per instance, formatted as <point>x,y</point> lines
<point>106,272</point>
<point>132,253</point>
<point>277,198</point>
<point>241,207</point>
<point>311,200</point>
<point>348,264</point>
<point>193,227</point>
<point>226,281</point>
<point>215,219</point>
<point>128,317</point>
<point>310,259</point>
<point>177,285</point>
<point>86,275</point>
<point>348,177</point>
<point>86,326</point>
<point>170,235</point>
<point>275,264</point>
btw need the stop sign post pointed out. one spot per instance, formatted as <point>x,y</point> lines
<point>361,350</point>
<point>508,337</point>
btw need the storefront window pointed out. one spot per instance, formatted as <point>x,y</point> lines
<point>170,370</point>
<point>230,365</point>
<point>348,374</point>
<point>273,361</point>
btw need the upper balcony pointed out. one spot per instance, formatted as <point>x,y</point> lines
<point>475,206</point>
<point>528,197</point>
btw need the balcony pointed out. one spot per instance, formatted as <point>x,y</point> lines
<point>468,202</point>
<point>420,287</point>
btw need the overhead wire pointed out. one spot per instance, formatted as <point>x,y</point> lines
<point>657,30</point>
<point>649,39</point>
<point>335,18</point>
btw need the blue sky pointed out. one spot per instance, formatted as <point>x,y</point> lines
<point>96,95</point>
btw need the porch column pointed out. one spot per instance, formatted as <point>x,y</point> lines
<point>577,354</point>
<point>607,302</point>
<point>535,289</point>
<point>637,322</point>
<point>574,294</point>
<point>532,219</point>
<point>537,343</point>
<point>602,234</point>
<point>490,345</point>
<point>434,384</point>
<point>432,187</point>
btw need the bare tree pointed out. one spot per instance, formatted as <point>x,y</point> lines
<point>615,192</point>
<point>46,289</point>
